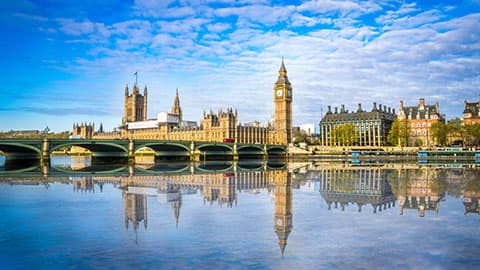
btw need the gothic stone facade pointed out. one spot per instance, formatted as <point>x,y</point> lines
<point>372,127</point>
<point>421,118</point>
<point>135,105</point>
<point>214,127</point>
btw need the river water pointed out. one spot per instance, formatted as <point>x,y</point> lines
<point>252,215</point>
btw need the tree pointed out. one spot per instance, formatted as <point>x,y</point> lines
<point>439,131</point>
<point>400,133</point>
<point>301,136</point>
<point>344,134</point>
<point>471,134</point>
<point>455,131</point>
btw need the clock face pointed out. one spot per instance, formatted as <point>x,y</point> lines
<point>279,93</point>
<point>279,221</point>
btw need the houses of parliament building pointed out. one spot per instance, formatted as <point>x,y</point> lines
<point>221,126</point>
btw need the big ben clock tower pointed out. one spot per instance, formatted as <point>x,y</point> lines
<point>283,96</point>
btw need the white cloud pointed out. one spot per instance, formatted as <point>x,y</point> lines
<point>258,13</point>
<point>218,27</point>
<point>344,8</point>
<point>407,53</point>
<point>300,20</point>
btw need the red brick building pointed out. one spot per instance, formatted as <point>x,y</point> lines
<point>471,114</point>
<point>421,118</point>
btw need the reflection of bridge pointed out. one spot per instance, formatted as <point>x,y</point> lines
<point>125,148</point>
<point>172,168</point>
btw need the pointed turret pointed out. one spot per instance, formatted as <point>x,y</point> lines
<point>282,74</point>
<point>126,90</point>
<point>282,70</point>
<point>176,109</point>
<point>136,90</point>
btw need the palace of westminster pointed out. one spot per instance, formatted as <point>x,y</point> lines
<point>372,127</point>
<point>214,127</point>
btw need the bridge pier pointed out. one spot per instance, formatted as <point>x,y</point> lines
<point>235,152</point>
<point>131,152</point>
<point>45,157</point>
<point>193,156</point>
<point>265,152</point>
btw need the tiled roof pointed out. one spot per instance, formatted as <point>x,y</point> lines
<point>359,115</point>
<point>472,107</point>
<point>416,110</point>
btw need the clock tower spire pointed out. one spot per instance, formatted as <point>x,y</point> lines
<point>283,96</point>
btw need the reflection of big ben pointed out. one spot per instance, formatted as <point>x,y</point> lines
<point>283,95</point>
<point>283,207</point>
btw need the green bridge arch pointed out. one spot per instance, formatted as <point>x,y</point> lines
<point>21,150</point>
<point>97,147</point>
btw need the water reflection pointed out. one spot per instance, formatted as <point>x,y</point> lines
<point>359,186</point>
<point>422,190</point>
<point>221,189</point>
<point>350,193</point>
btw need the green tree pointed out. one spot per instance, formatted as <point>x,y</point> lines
<point>400,133</point>
<point>471,134</point>
<point>455,131</point>
<point>300,136</point>
<point>439,131</point>
<point>344,134</point>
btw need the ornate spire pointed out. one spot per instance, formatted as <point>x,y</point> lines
<point>176,109</point>
<point>282,74</point>
<point>126,90</point>
<point>282,68</point>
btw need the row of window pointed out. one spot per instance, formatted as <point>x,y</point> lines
<point>421,125</point>
<point>426,117</point>
<point>419,132</point>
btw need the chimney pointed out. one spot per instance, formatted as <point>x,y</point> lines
<point>329,109</point>
<point>401,105</point>
<point>343,108</point>
<point>385,108</point>
<point>389,110</point>
<point>359,107</point>
<point>421,106</point>
<point>336,110</point>
<point>393,110</point>
<point>374,106</point>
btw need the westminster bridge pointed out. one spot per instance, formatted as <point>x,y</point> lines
<point>41,149</point>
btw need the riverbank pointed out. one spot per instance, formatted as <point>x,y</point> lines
<point>355,154</point>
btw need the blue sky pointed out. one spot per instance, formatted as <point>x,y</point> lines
<point>69,61</point>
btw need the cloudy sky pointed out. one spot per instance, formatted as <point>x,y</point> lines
<point>69,61</point>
